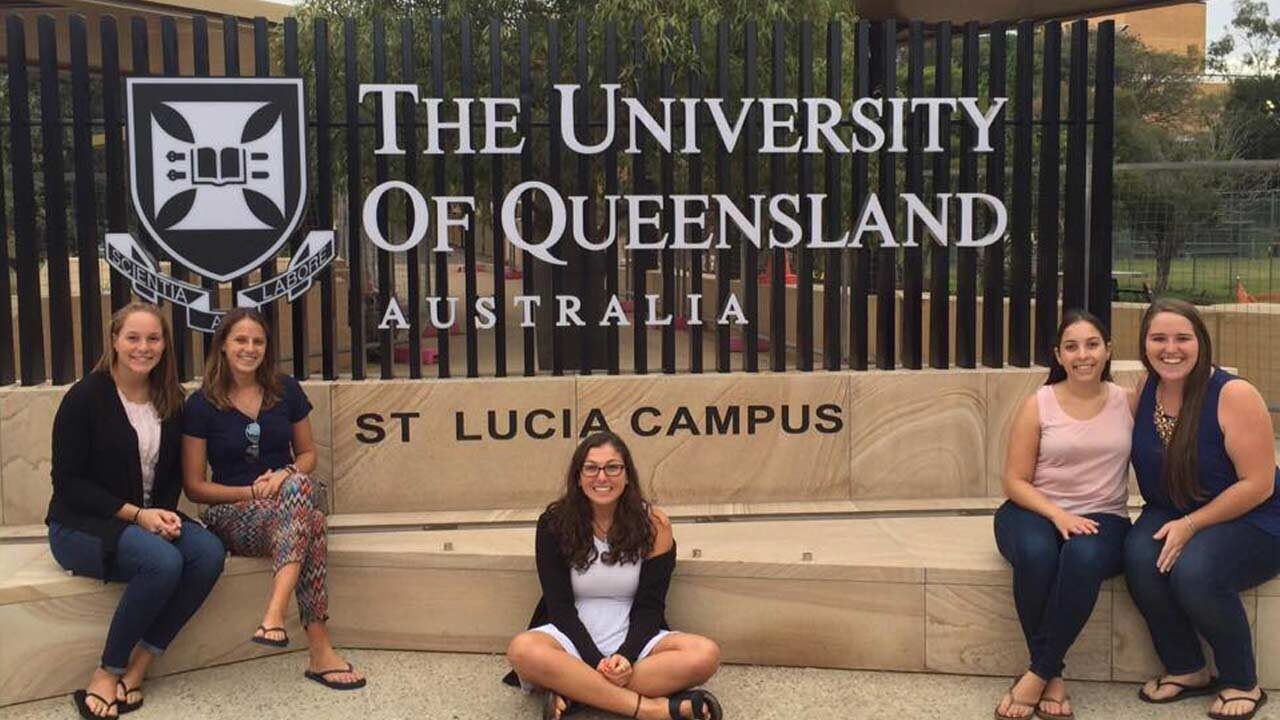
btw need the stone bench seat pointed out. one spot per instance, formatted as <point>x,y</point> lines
<point>919,593</point>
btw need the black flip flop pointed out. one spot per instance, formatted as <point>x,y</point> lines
<point>323,679</point>
<point>1187,691</point>
<point>81,699</point>
<point>699,700</point>
<point>264,640</point>
<point>549,706</point>
<point>124,706</point>
<point>1262,700</point>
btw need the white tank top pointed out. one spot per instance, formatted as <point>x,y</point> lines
<point>603,595</point>
<point>146,424</point>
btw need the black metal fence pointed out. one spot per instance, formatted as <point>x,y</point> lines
<point>1056,181</point>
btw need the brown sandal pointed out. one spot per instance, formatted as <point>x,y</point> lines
<point>1045,715</point>
<point>1015,702</point>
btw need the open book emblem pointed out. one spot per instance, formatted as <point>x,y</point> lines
<point>218,168</point>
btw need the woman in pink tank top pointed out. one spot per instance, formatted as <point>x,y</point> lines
<point>1064,525</point>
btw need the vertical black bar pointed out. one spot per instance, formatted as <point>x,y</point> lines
<point>778,260</point>
<point>324,197</point>
<point>231,68</point>
<point>469,190</point>
<point>940,255</point>
<point>181,337</point>
<point>751,170</point>
<point>1020,221</point>
<point>8,366</point>
<point>355,263</point>
<point>61,342</point>
<point>860,280</point>
<point>723,183</point>
<point>86,203</point>
<point>967,258</point>
<point>887,257</point>
<point>26,250</point>
<point>913,255</point>
<point>1048,196</point>
<point>695,188</point>
<point>496,191</point>
<point>639,184</point>
<point>804,308</point>
<point>668,179</point>
<point>439,181</point>
<point>612,280</point>
<point>1103,154</point>
<point>1074,225</point>
<point>200,59</point>
<point>409,136</point>
<point>112,114</point>
<point>384,260</point>
<point>262,68</point>
<point>526,174</point>
<point>993,256</point>
<point>831,281</point>
<point>298,310</point>
<point>588,273</point>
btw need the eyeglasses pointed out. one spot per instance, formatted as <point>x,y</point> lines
<point>612,470</point>
<point>252,433</point>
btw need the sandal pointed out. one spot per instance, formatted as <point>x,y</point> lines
<point>1185,691</point>
<point>264,640</point>
<point>1045,715</point>
<point>1259,702</point>
<point>549,705</point>
<point>124,706</point>
<point>1014,702</point>
<point>323,678</point>
<point>699,700</point>
<point>81,699</point>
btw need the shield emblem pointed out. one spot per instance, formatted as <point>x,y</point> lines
<point>217,168</point>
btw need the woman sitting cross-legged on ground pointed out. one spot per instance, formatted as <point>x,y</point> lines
<point>116,480</point>
<point>599,636</point>
<point>249,423</point>
<point>1205,459</point>
<point>1064,525</point>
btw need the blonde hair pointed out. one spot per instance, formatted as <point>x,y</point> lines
<point>166,392</point>
<point>217,379</point>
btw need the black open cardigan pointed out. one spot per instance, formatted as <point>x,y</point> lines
<point>648,608</point>
<point>96,469</point>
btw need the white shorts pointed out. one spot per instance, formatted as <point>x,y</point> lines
<point>569,647</point>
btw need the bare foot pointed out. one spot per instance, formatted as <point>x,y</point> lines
<point>1239,702</point>
<point>1054,700</point>
<point>102,684</point>
<point>560,703</point>
<point>322,662</point>
<point>1165,688</point>
<point>1020,701</point>
<point>275,635</point>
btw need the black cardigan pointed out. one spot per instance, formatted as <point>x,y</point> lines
<point>96,468</point>
<point>648,608</point>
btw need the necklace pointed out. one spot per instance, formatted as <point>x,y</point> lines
<point>601,530</point>
<point>1164,422</point>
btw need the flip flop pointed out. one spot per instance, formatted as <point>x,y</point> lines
<point>1186,691</point>
<point>81,699</point>
<point>1262,700</point>
<point>699,701</point>
<point>549,705</point>
<point>124,706</point>
<point>1015,702</point>
<point>323,679</point>
<point>1043,715</point>
<point>264,640</point>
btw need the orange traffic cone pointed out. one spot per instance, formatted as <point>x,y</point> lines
<point>767,273</point>
<point>1242,295</point>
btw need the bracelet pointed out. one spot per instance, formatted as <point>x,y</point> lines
<point>1191,523</point>
<point>293,469</point>
<point>135,516</point>
<point>253,491</point>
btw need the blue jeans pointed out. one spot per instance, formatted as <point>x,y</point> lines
<point>1202,593</point>
<point>167,582</point>
<point>1056,581</point>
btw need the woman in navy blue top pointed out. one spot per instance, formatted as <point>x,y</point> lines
<point>249,424</point>
<point>1204,455</point>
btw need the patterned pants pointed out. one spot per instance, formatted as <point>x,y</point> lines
<point>289,529</point>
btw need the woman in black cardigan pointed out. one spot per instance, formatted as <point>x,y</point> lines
<point>116,479</point>
<point>599,635</point>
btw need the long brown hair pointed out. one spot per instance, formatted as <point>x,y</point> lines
<point>630,539</point>
<point>166,392</point>
<point>217,379</point>
<point>1058,373</point>
<point>1180,458</point>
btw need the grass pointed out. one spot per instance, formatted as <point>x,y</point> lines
<point>1211,279</point>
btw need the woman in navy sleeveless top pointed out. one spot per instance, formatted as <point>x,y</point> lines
<point>1204,457</point>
